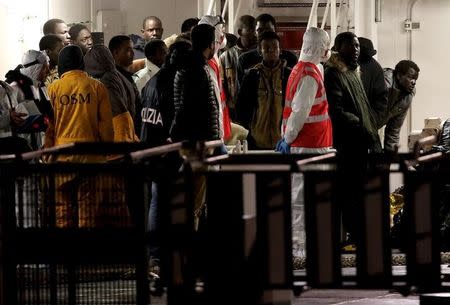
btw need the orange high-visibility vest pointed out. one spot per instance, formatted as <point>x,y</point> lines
<point>317,131</point>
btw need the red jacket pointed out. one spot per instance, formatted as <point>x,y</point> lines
<point>226,115</point>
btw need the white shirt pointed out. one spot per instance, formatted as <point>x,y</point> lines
<point>142,76</point>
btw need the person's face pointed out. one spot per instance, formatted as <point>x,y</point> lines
<point>53,53</point>
<point>270,50</point>
<point>84,40</point>
<point>262,27</point>
<point>248,35</point>
<point>152,30</point>
<point>349,51</point>
<point>209,52</point>
<point>124,54</point>
<point>62,31</point>
<point>160,56</point>
<point>407,82</point>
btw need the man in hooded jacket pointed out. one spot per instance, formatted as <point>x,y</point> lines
<point>372,77</point>
<point>82,114</point>
<point>81,106</point>
<point>100,64</point>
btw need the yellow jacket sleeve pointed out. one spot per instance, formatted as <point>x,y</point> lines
<point>124,128</point>
<point>105,121</point>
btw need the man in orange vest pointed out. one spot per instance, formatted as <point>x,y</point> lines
<point>306,126</point>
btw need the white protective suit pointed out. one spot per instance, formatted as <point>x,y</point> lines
<point>33,71</point>
<point>315,49</point>
<point>34,61</point>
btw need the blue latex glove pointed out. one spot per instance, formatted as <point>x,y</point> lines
<point>283,147</point>
<point>221,150</point>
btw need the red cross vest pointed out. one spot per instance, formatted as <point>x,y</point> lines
<point>317,131</point>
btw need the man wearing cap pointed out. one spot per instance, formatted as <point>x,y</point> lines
<point>372,78</point>
<point>354,129</point>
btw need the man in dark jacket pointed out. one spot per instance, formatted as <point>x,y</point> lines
<point>157,115</point>
<point>196,105</point>
<point>260,100</point>
<point>121,48</point>
<point>157,97</point>
<point>151,29</point>
<point>264,23</point>
<point>229,59</point>
<point>372,77</point>
<point>401,84</point>
<point>354,130</point>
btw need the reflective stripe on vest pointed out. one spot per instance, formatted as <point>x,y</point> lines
<point>317,118</point>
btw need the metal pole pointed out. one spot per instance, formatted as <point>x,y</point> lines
<point>377,10</point>
<point>235,14</point>
<point>325,15</point>
<point>338,17</point>
<point>210,7</point>
<point>225,8</point>
<point>313,15</point>
<point>333,20</point>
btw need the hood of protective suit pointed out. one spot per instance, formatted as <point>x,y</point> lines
<point>33,62</point>
<point>315,42</point>
<point>217,22</point>
<point>98,61</point>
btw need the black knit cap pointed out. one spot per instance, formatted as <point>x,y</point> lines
<point>366,47</point>
<point>70,58</point>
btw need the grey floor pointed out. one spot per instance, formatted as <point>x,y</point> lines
<point>350,296</point>
<point>122,292</point>
<point>341,297</point>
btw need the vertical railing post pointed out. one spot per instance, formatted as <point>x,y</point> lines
<point>322,227</point>
<point>374,252</point>
<point>8,285</point>
<point>423,246</point>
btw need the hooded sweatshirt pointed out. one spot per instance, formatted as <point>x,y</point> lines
<point>100,64</point>
<point>81,105</point>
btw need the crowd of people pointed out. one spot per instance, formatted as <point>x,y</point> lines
<point>203,84</point>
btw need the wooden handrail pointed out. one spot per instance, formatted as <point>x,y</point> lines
<point>155,151</point>
<point>316,158</point>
